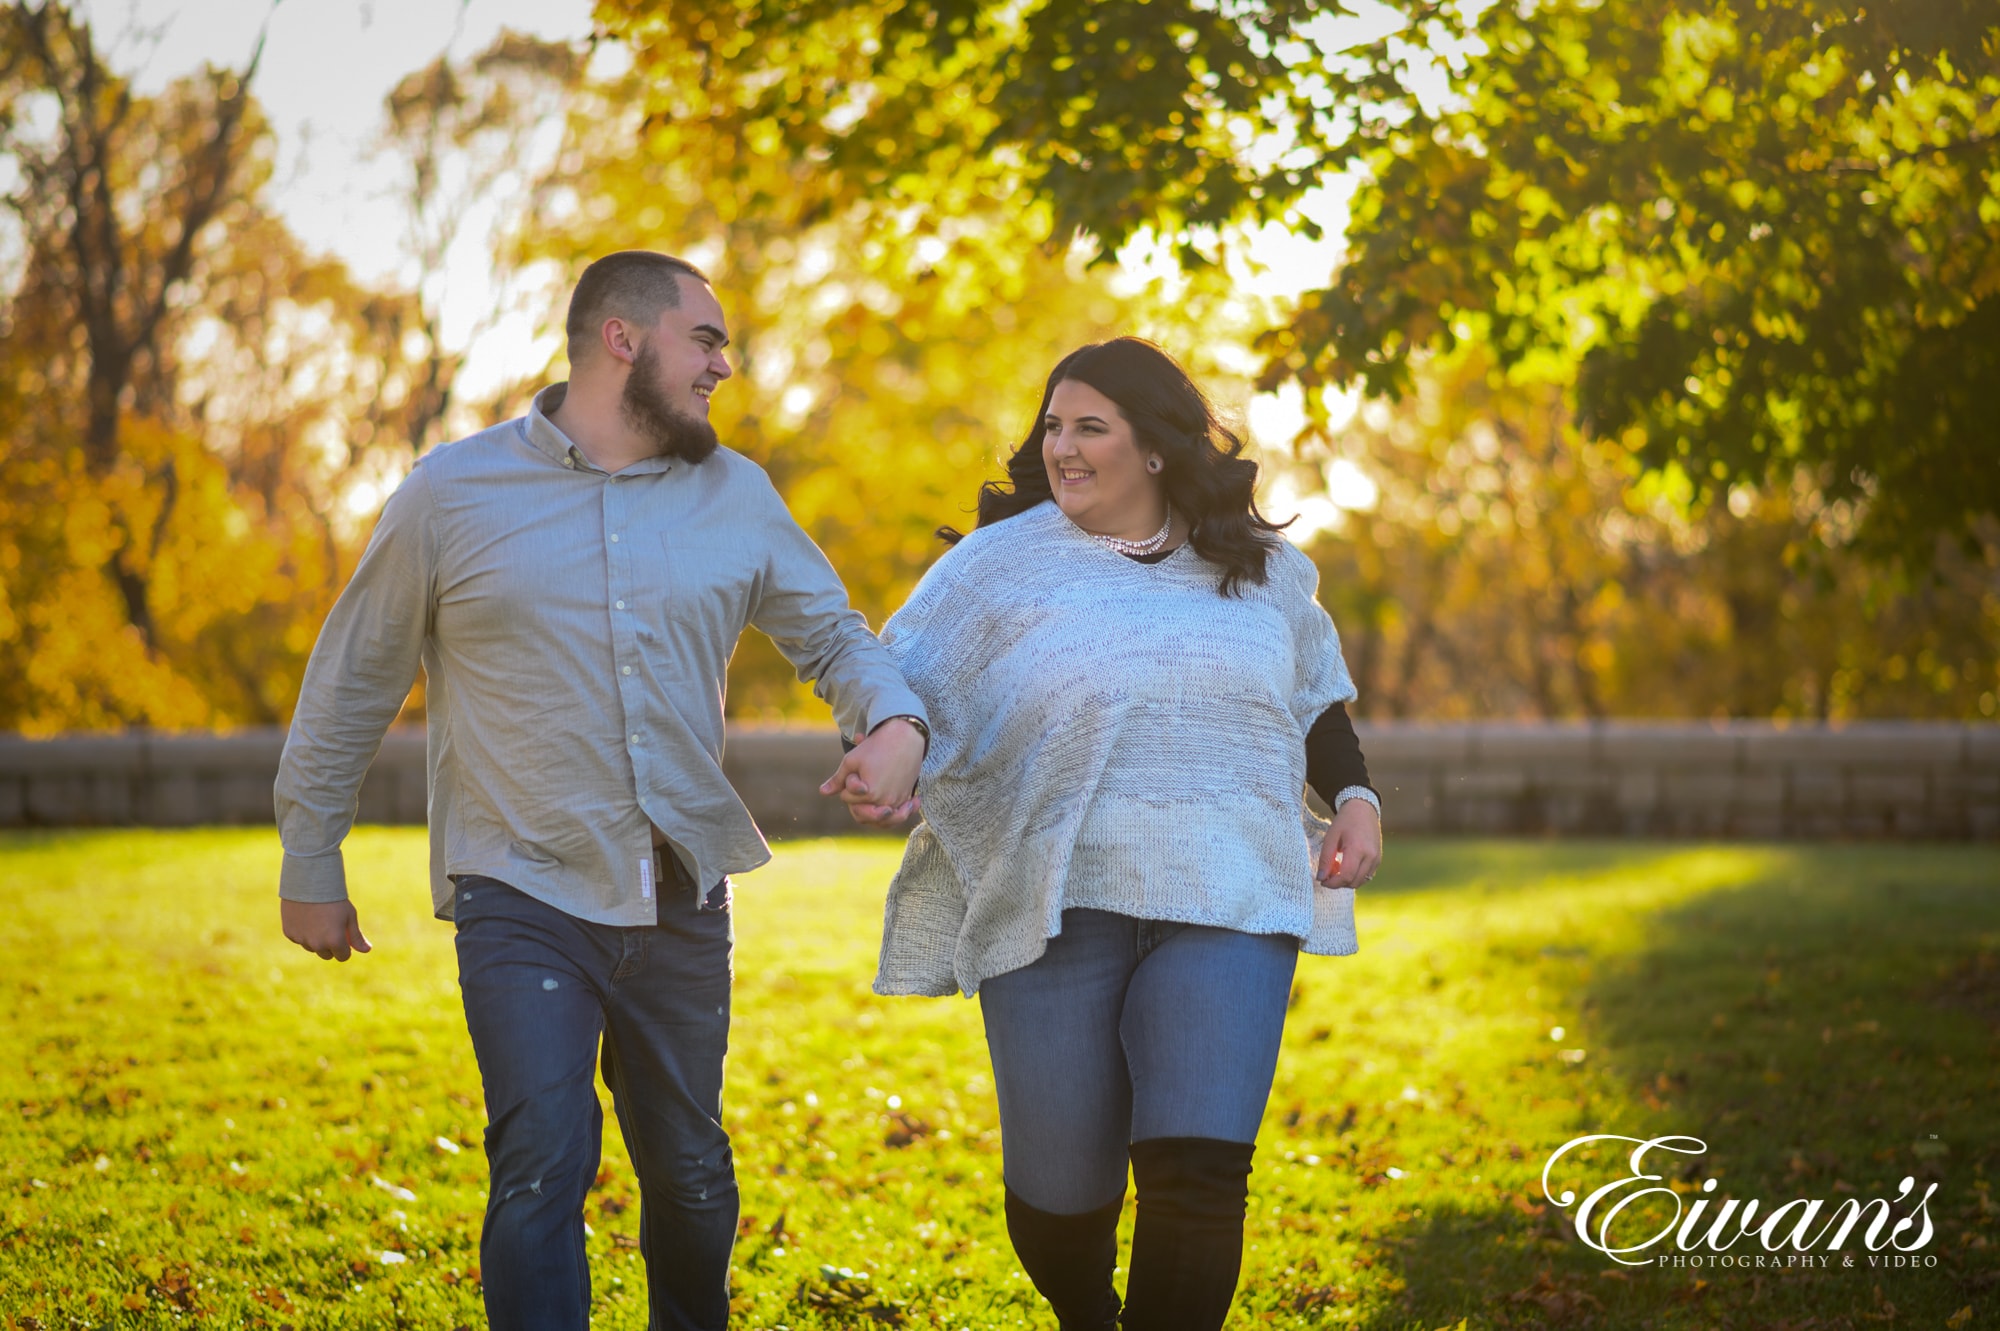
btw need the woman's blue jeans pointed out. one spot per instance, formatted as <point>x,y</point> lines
<point>1128,1030</point>
<point>542,990</point>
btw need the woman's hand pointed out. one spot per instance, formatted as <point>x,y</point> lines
<point>1353,849</point>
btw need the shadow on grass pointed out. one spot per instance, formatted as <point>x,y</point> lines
<point>1435,863</point>
<point>1827,1029</point>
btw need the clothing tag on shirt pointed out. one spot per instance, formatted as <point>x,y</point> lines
<point>646,879</point>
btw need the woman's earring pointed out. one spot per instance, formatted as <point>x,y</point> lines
<point>1153,465</point>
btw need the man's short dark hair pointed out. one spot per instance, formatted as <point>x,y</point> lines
<point>631,284</point>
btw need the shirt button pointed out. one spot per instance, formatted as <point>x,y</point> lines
<point>621,605</point>
<point>614,538</point>
<point>635,739</point>
<point>628,670</point>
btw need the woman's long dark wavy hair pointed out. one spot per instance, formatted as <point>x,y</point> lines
<point>1206,475</point>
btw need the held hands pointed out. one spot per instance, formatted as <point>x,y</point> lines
<point>329,929</point>
<point>877,779</point>
<point>1353,849</point>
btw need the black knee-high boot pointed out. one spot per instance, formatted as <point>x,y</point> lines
<point>1070,1258</point>
<point>1187,1248</point>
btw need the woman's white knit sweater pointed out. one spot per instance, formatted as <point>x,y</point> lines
<point>1110,734</point>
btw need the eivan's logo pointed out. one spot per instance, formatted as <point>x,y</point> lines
<point>1605,1219</point>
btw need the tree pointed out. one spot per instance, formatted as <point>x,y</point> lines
<point>187,400</point>
<point>469,137</point>
<point>1767,232</point>
<point>118,269</point>
<point>1513,565</point>
<point>1110,118</point>
<point>1765,239</point>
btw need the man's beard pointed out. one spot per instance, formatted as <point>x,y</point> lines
<point>644,405</point>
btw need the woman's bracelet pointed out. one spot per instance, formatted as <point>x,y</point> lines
<point>1358,793</point>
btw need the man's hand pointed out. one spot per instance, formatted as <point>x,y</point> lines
<point>877,780</point>
<point>1353,849</point>
<point>329,929</point>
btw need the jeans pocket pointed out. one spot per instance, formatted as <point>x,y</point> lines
<point>463,894</point>
<point>476,897</point>
<point>720,897</point>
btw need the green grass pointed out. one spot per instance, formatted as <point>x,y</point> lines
<point>206,1125</point>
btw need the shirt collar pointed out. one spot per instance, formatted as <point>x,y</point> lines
<point>544,435</point>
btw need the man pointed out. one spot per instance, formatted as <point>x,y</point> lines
<point>573,583</point>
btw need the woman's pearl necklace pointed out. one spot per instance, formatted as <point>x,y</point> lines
<point>1151,545</point>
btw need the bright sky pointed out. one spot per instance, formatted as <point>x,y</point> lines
<point>327,66</point>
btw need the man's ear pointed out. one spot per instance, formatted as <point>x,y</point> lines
<point>619,339</point>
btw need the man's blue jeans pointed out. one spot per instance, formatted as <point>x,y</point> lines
<point>541,989</point>
<point>1129,1030</point>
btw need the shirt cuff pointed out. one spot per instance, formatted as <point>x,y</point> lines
<point>892,703</point>
<point>313,878</point>
<point>1358,793</point>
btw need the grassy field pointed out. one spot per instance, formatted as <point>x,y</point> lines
<point>206,1125</point>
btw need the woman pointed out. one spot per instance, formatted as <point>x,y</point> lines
<point>1129,684</point>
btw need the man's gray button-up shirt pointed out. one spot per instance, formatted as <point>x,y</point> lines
<point>575,629</point>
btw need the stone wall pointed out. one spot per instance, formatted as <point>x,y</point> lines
<point>1741,779</point>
